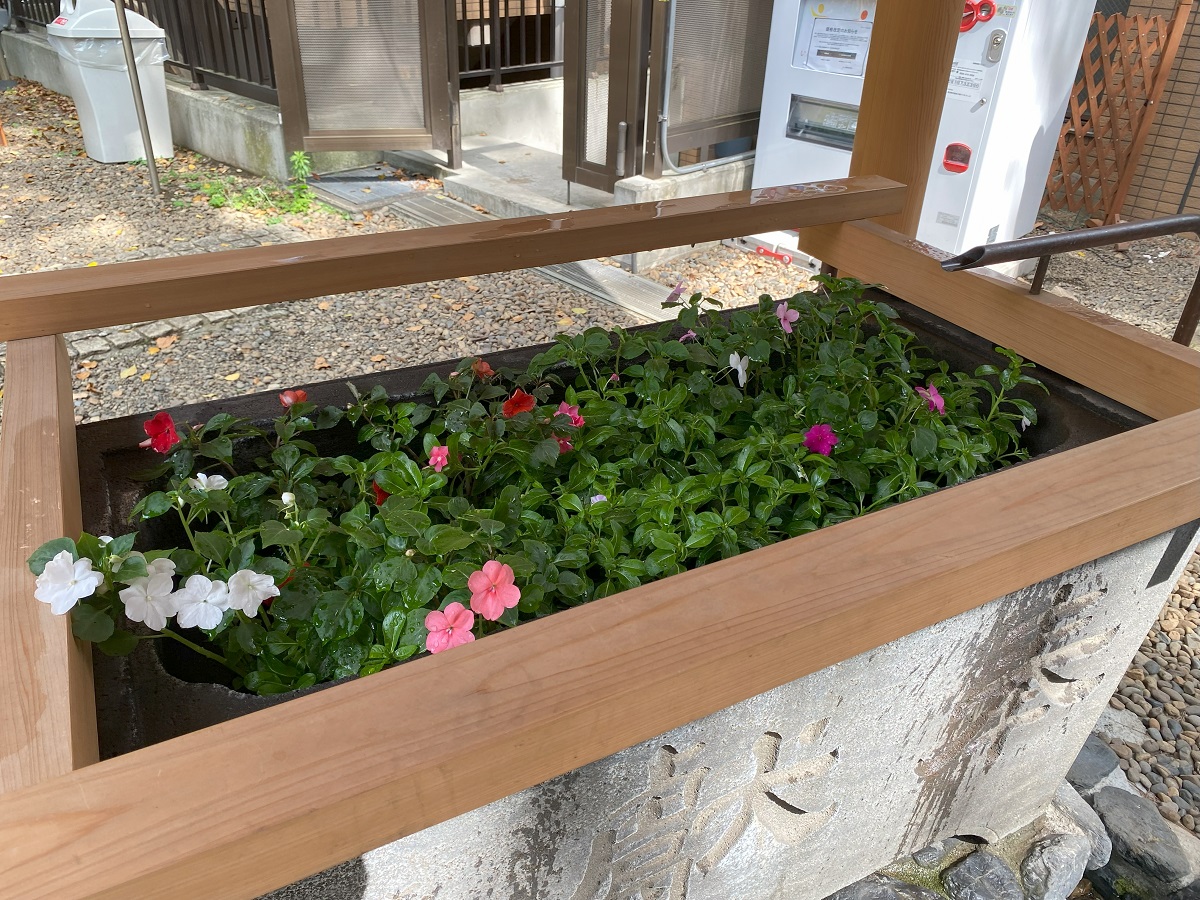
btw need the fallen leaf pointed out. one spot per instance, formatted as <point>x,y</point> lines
<point>578,309</point>
<point>146,376</point>
<point>457,306</point>
<point>415,327</point>
<point>127,373</point>
<point>565,321</point>
<point>379,358</point>
<point>165,343</point>
<point>324,304</point>
<point>153,350</point>
<point>89,265</point>
<point>89,364</point>
<point>233,376</point>
<point>467,317</point>
<point>436,296</point>
<point>320,363</point>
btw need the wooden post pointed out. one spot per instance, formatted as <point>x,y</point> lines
<point>912,47</point>
<point>48,710</point>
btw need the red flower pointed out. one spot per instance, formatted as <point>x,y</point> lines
<point>380,494</point>
<point>161,431</point>
<point>287,398</point>
<point>519,402</point>
<point>482,369</point>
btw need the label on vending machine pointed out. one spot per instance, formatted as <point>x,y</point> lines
<point>966,81</point>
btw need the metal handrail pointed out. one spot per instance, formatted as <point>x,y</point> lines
<point>1046,245</point>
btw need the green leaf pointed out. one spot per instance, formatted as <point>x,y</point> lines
<point>442,539</point>
<point>43,554</point>
<point>924,442</point>
<point>90,624</point>
<point>120,643</point>
<point>276,534</point>
<point>393,572</point>
<point>121,545</point>
<point>337,615</point>
<point>154,505</point>
<point>131,567</point>
<point>545,453</point>
<point>215,544</point>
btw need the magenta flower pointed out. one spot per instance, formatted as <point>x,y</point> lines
<point>820,439</point>
<point>937,403</point>
<point>564,445</point>
<point>786,316</point>
<point>492,590</point>
<point>439,458</point>
<point>688,335</point>
<point>449,627</point>
<point>614,377</point>
<point>571,412</point>
<point>676,293</point>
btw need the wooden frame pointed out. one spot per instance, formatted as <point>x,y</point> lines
<point>263,800</point>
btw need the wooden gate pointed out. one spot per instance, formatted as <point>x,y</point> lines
<point>1124,69</point>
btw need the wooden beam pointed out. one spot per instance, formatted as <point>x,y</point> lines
<point>1132,366</point>
<point>74,299</point>
<point>257,802</point>
<point>912,47</point>
<point>47,706</point>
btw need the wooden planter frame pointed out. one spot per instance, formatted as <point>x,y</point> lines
<point>260,801</point>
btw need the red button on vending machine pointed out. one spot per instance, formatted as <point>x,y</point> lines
<point>970,15</point>
<point>957,157</point>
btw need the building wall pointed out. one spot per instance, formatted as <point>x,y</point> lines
<point>1168,175</point>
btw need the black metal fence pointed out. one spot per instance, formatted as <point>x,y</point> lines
<point>223,43</point>
<point>505,41</point>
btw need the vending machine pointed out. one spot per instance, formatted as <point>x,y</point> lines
<point>1013,70</point>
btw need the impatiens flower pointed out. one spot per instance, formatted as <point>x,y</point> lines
<point>676,293</point>
<point>519,402</point>
<point>937,403</point>
<point>564,445</point>
<point>105,540</point>
<point>492,590</point>
<point>200,603</point>
<point>204,482</point>
<point>161,566</point>
<point>786,316</point>
<point>248,590</point>
<point>598,498</point>
<point>738,364</point>
<point>1025,423</point>
<point>449,627</point>
<point>482,369</point>
<point>439,457</point>
<point>287,498</point>
<point>571,412</point>
<point>150,599</point>
<point>687,336</point>
<point>820,439</point>
<point>614,377</point>
<point>65,581</point>
<point>287,398</point>
<point>380,494</point>
<point>161,431</point>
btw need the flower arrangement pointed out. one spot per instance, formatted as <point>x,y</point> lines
<point>613,459</point>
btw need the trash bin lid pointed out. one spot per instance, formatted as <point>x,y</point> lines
<point>98,19</point>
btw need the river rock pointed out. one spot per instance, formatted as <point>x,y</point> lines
<point>1053,866</point>
<point>880,887</point>
<point>981,876</point>
<point>1068,802</point>
<point>1140,835</point>
<point>1095,762</point>
<point>933,856</point>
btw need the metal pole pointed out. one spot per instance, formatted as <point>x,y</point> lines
<point>138,104</point>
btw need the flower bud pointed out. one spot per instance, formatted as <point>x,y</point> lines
<point>288,498</point>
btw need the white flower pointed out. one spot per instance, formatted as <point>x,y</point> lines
<point>64,582</point>
<point>247,590</point>
<point>200,603</point>
<point>739,364</point>
<point>104,540</point>
<point>150,600</point>
<point>206,483</point>
<point>162,566</point>
<point>288,498</point>
<point>1025,423</point>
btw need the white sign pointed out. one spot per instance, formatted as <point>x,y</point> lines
<point>839,46</point>
<point>966,81</point>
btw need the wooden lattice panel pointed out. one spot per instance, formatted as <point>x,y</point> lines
<point>1122,74</point>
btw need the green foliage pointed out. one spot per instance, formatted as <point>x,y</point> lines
<point>677,464</point>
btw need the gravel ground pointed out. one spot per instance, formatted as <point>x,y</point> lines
<point>59,209</point>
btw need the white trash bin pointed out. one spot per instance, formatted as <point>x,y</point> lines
<point>88,42</point>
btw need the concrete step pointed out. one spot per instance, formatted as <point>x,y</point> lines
<point>632,293</point>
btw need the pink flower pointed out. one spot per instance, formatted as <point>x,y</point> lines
<point>439,457</point>
<point>676,293</point>
<point>571,412</point>
<point>482,369</point>
<point>492,590</point>
<point>688,335</point>
<point>287,398</point>
<point>564,445</point>
<point>820,439</point>
<point>937,403</point>
<point>161,431</point>
<point>519,402</point>
<point>787,316</point>
<point>449,627</point>
<point>614,377</point>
